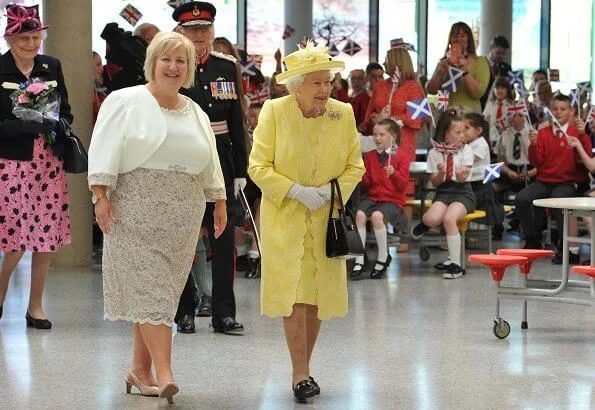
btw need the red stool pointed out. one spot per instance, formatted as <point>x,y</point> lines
<point>498,265</point>
<point>590,272</point>
<point>525,268</point>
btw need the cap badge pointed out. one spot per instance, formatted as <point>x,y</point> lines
<point>196,11</point>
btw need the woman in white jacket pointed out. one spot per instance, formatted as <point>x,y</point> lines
<point>153,165</point>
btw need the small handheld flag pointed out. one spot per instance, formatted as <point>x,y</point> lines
<point>443,97</point>
<point>419,108</point>
<point>518,108</point>
<point>501,125</point>
<point>515,77</point>
<point>584,87</point>
<point>574,97</point>
<point>444,148</point>
<point>259,96</point>
<point>453,78</point>
<point>547,112</point>
<point>131,14</point>
<point>256,59</point>
<point>591,116</point>
<point>492,171</point>
<point>248,68</point>
<point>287,32</point>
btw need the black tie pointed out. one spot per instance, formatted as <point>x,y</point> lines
<point>382,157</point>
<point>516,146</point>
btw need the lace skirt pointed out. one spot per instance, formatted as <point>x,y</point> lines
<point>148,253</point>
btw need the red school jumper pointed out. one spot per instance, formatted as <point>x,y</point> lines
<point>382,187</point>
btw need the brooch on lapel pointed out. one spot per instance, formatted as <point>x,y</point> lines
<point>44,65</point>
<point>334,115</point>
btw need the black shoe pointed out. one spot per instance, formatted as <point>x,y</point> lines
<point>253,268</point>
<point>573,259</point>
<point>228,326</point>
<point>304,390</point>
<point>377,274</point>
<point>204,308</point>
<point>357,274</point>
<point>442,265</point>
<point>242,263</point>
<point>418,231</point>
<point>454,271</point>
<point>37,323</point>
<point>316,386</point>
<point>186,324</point>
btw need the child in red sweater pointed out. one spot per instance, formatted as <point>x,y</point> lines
<point>558,169</point>
<point>386,178</point>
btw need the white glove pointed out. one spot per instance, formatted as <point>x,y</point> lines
<point>238,183</point>
<point>325,192</point>
<point>307,195</point>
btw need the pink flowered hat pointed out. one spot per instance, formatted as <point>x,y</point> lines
<point>22,19</point>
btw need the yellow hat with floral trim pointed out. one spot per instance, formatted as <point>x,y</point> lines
<point>308,60</point>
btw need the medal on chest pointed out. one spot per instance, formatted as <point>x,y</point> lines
<point>223,90</point>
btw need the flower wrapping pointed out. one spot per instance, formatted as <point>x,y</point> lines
<point>37,101</point>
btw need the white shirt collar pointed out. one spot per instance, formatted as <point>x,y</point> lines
<point>564,129</point>
<point>388,150</point>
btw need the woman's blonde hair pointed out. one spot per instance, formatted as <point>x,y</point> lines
<point>162,44</point>
<point>399,57</point>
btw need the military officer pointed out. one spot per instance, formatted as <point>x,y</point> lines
<point>217,92</point>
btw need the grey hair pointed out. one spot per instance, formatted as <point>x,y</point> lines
<point>293,83</point>
<point>138,31</point>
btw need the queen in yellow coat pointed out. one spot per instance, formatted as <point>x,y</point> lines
<point>301,143</point>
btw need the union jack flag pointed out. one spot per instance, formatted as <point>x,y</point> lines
<point>256,59</point>
<point>443,97</point>
<point>248,68</point>
<point>131,14</point>
<point>453,79</point>
<point>287,32</point>
<point>518,108</point>
<point>259,96</point>
<point>574,97</point>
<point>501,125</point>
<point>515,77</point>
<point>443,147</point>
<point>584,87</point>
<point>399,43</point>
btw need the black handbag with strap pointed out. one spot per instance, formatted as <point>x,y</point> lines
<point>74,156</point>
<point>342,236</point>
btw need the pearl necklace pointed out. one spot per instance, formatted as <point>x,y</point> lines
<point>28,71</point>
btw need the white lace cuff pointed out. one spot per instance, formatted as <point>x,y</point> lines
<point>103,179</point>
<point>215,194</point>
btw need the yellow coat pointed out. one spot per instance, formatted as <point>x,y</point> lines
<point>289,148</point>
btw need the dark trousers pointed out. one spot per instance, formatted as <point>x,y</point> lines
<point>531,216</point>
<point>187,304</point>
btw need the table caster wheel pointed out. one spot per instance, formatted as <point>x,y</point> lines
<point>424,253</point>
<point>502,329</point>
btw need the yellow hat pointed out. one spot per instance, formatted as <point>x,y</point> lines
<point>308,60</point>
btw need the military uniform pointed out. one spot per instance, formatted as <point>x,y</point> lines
<point>215,90</point>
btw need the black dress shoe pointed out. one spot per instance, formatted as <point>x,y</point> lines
<point>37,323</point>
<point>228,326</point>
<point>204,308</point>
<point>253,268</point>
<point>573,259</point>
<point>377,274</point>
<point>441,266</point>
<point>357,274</point>
<point>304,390</point>
<point>242,263</point>
<point>186,324</point>
<point>316,386</point>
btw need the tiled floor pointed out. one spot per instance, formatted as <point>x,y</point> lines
<point>412,340</point>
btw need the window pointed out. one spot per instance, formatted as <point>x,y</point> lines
<point>265,22</point>
<point>570,41</point>
<point>401,14</point>
<point>442,14</point>
<point>158,13</point>
<point>525,46</point>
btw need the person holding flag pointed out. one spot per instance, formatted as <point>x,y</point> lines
<point>559,170</point>
<point>461,54</point>
<point>497,108</point>
<point>449,165</point>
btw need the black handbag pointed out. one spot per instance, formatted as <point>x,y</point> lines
<point>74,156</point>
<point>342,237</point>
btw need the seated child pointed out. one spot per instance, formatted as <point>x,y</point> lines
<point>450,171</point>
<point>558,172</point>
<point>386,178</point>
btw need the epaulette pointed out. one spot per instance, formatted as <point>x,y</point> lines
<point>223,56</point>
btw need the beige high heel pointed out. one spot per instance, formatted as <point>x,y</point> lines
<point>133,380</point>
<point>168,391</point>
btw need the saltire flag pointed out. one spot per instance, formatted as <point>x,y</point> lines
<point>443,97</point>
<point>333,50</point>
<point>591,116</point>
<point>515,77</point>
<point>492,171</point>
<point>419,108</point>
<point>501,125</point>
<point>521,90</point>
<point>259,96</point>
<point>131,14</point>
<point>574,97</point>
<point>287,32</point>
<point>547,112</point>
<point>444,148</point>
<point>584,87</point>
<point>351,48</point>
<point>248,68</point>
<point>256,59</point>
<point>399,43</point>
<point>453,78</point>
<point>518,108</point>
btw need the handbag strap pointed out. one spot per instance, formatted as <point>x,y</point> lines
<point>335,185</point>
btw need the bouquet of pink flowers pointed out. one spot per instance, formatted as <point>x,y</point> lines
<point>37,101</point>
